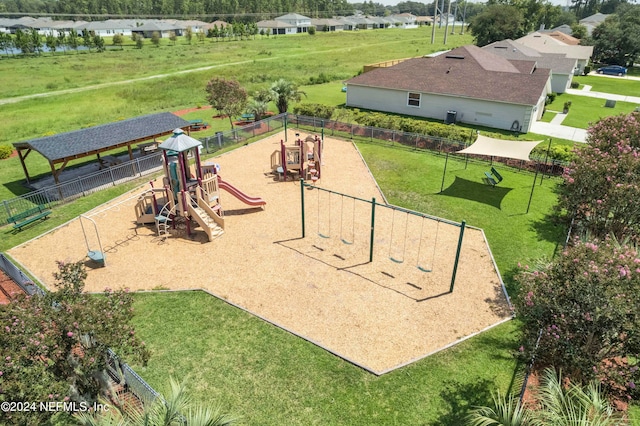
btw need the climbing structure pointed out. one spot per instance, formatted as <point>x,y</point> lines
<point>190,193</point>
<point>300,160</point>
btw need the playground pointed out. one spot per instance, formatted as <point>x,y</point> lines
<point>379,315</point>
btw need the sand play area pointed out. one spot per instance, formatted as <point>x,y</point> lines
<point>379,315</point>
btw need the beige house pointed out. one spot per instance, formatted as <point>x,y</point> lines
<point>548,44</point>
<point>466,84</point>
<point>562,67</point>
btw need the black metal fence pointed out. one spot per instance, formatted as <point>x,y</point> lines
<point>125,172</point>
<point>121,371</point>
<point>418,142</point>
<point>18,276</point>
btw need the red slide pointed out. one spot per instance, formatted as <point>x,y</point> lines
<point>252,201</point>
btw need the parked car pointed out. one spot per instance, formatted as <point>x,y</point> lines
<point>612,70</point>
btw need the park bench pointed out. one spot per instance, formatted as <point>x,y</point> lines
<point>493,177</point>
<point>28,216</point>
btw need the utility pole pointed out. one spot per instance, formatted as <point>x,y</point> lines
<point>433,24</point>
<point>446,27</point>
<point>455,16</point>
<point>464,16</point>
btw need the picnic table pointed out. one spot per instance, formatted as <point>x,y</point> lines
<point>109,161</point>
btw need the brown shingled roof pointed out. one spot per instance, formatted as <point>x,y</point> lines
<point>467,71</point>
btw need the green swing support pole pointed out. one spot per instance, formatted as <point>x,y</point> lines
<point>302,204</point>
<point>444,172</point>
<point>458,250</point>
<point>373,228</point>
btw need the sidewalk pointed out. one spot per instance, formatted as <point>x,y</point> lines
<point>555,127</point>
<point>557,130</point>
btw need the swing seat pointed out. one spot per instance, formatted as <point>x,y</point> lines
<point>423,269</point>
<point>396,260</point>
<point>346,242</point>
<point>96,256</point>
<point>322,235</point>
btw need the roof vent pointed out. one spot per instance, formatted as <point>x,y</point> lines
<point>499,47</point>
<point>454,56</point>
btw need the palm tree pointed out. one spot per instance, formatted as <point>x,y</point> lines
<point>573,405</point>
<point>257,108</point>
<point>506,412</point>
<point>284,92</point>
<point>176,409</point>
<point>557,405</point>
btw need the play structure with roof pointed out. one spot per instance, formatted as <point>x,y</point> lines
<point>191,192</point>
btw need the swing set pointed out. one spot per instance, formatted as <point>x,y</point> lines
<point>342,230</point>
<point>420,258</point>
<point>425,259</point>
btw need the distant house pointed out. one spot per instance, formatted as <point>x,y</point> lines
<point>405,20</point>
<point>327,25</point>
<point>565,38</point>
<point>590,22</point>
<point>470,84</point>
<point>424,20</point>
<point>348,24</point>
<point>164,29</point>
<point>561,66</point>
<point>109,28</point>
<point>547,44</point>
<point>196,26</point>
<point>276,27</point>
<point>301,23</point>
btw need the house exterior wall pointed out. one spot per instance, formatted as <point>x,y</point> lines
<point>473,111</point>
<point>561,82</point>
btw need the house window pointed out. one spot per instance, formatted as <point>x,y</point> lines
<point>414,99</point>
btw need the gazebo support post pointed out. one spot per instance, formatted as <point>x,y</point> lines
<point>24,165</point>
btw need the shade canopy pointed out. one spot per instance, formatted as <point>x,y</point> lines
<point>500,148</point>
<point>179,142</point>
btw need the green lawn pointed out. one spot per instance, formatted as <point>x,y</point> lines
<point>268,376</point>
<point>585,110</point>
<point>413,180</point>
<point>619,86</point>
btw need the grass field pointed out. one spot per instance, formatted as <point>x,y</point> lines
<point>619,86</point>
<point>255,370</point>
<point>585,110</point>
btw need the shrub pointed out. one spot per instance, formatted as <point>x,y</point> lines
<point>550,98</point>
<point>53,347</point>
<point>314,110</point>
<point>311,30</point>
<point>602,185</point>
<point>575,84</point>
<point>585,307</point>
<point>5,151</point>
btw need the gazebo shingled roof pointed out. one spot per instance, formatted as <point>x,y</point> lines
<point>63,147</point>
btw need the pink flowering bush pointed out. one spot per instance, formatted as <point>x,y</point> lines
<point>53,348</point>
<point>602,188</point>
<point>585,307</point>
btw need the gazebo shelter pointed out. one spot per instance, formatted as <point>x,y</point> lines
<point>64,147</point>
